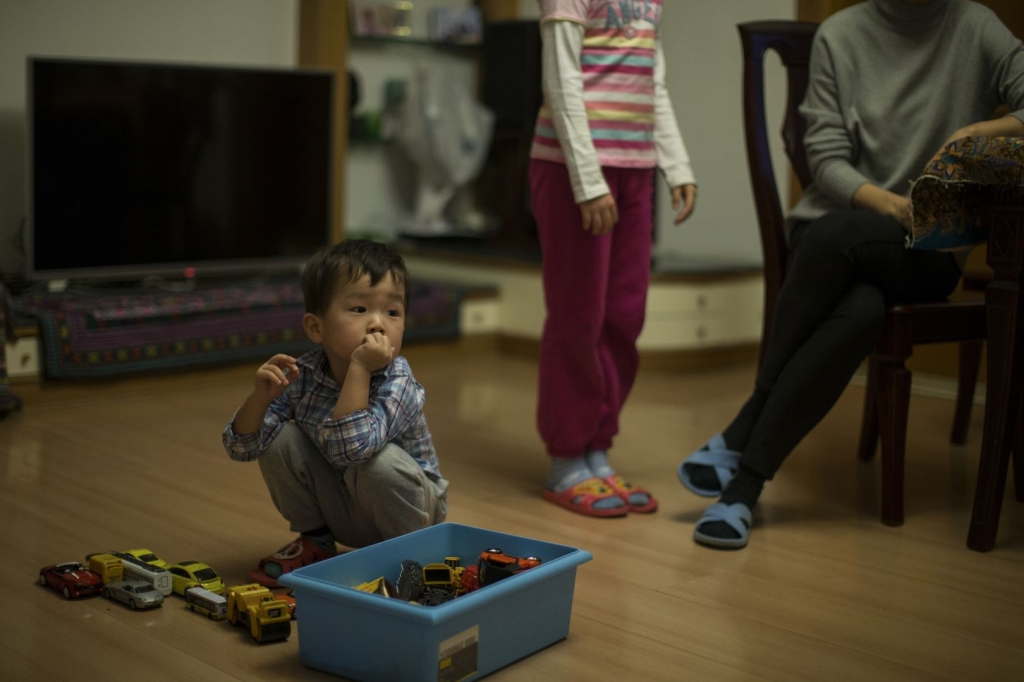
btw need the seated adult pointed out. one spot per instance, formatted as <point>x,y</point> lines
<point>891,82</point>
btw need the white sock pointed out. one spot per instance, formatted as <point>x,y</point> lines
<point>597,460</point>
<point>566,472</point>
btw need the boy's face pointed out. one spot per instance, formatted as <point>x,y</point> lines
<point>357,310</point>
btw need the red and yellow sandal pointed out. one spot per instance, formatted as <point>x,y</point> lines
<point>624,489</point>
<point>581,497</point>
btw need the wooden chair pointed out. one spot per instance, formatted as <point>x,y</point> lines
<point>887,396</point>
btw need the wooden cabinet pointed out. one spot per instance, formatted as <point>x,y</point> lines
<point>323,44</point>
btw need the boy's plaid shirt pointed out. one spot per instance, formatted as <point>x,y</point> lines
<point>394,415</point>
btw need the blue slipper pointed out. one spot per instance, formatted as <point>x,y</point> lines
<point>715,454</point>
<point>737,516</point>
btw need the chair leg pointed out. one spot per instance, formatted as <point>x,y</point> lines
<point>970,360</point>
<point>893,396</point>
<point>1004,401</point>
<point>869,421</point>
<point>1018,460</point>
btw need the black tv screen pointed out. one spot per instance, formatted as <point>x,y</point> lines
<point>144,168</point>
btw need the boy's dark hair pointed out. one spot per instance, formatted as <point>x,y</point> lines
<point>347,261</point>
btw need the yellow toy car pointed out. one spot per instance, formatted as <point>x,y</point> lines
<point>148,557</point>
<point>188,574</point>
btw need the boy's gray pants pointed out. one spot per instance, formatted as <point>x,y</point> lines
<point>382,498</point>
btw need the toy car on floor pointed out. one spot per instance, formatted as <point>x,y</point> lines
<point>137,594</point>
<point>188,574</point>
<point>135,569</point>
<point>148,557</point>
<point>200,600</point>
<point>108,567</point>
<point>72,579</point>
<point>267,616</point>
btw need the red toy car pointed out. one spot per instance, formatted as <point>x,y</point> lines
<point>494,565</point>
<point>469,580</point>
<point>72,579</point>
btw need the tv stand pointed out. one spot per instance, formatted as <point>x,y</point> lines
<point>87,332</point>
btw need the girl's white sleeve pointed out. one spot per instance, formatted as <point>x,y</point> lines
<point>562,82</point>
<point>668,143</point>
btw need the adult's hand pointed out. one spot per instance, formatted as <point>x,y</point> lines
<point>902,209</point>
<point>1005,126</point>
<point>885,202</point>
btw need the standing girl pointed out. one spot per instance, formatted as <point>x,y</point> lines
<point>606,123</point>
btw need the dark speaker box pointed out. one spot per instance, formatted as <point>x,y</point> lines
<point>512,73</point>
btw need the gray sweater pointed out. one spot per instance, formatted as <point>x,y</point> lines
<point>889,82</point>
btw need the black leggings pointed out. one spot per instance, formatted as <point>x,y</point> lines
<point>843,269</point>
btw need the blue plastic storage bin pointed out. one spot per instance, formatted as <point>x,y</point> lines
<point>370,638</point>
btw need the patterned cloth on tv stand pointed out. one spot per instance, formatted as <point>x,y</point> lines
<point>89,334</point>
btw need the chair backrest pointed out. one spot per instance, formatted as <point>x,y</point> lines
<point>792,41</point>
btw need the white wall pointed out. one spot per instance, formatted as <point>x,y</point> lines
<point>704,62</point>
<point>240,32</point>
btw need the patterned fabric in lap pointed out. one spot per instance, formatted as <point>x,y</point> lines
<point>86,334</point>
<point>954,185</point>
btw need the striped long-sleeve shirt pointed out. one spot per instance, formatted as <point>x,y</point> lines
<point>606,103</point>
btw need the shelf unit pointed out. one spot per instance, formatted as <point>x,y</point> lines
<point>324,42</point>
<point>368,41</point>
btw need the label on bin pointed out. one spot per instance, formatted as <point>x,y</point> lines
<point>457,656</point>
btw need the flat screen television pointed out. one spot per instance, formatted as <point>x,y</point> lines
<point>142,169</point>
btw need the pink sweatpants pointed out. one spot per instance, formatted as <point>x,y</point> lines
<point>595,290</point>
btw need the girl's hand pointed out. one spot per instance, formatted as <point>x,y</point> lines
<point>274,376</point>
<point>374,353</point>
<point>683,197</point>
<point>599,215</point>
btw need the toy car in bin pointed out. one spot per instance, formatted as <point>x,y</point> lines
<point>495,565</point>
<point>469,580</point>
<point>440,583</point>
<point>380,586</point>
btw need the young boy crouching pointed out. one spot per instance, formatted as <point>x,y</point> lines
<point>339,433</point>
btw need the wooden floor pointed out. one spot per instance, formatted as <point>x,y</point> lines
<point>823,592</point>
